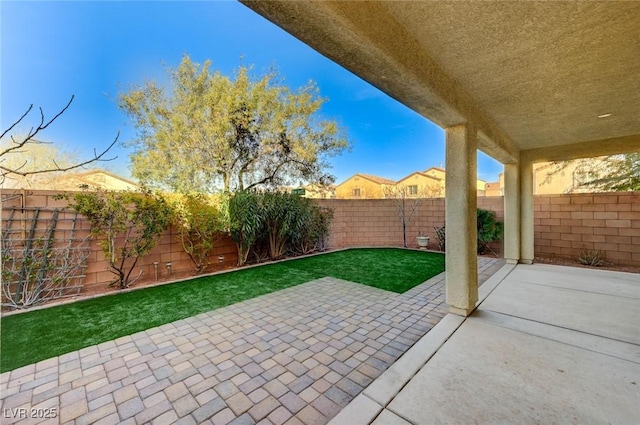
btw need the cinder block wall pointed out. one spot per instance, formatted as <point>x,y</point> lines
<point>376,222</point>
<point>564,224</point>
<point>169,248</point>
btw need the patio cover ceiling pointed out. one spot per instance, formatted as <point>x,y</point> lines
<point>532,76</point>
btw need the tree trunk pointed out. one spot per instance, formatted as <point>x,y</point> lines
<point>404,233</point>
<point>404,223</point>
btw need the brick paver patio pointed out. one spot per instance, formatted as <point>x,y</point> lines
<point>296,356</point>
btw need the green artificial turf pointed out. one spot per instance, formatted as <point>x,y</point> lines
<point>37,335</point>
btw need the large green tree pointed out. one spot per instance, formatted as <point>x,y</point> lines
<point>614,173</point>
<point>207,131</point>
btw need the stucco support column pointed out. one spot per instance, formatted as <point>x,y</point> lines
<point>461,227</point>
<point>512,213</point>
<point>526,211</point>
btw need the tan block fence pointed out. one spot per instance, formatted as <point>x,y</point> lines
<point>610,222</point>
<point>168,250</point>
<point>375,222</point>
<point>564,224</point>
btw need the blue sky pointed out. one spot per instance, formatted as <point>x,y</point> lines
<point>94,50</point>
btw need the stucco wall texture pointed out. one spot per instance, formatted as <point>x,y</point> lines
<point>564,224</point>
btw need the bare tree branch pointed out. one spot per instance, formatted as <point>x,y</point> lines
<point>30,139</point>
<point>97,157</point>
<point>17,122</point>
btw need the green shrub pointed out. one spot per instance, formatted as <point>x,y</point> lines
<point>489,230</point>
<point>312,236</point>
<point>283,218</point>
<point>201,220</point>
<point>129,224</point>
<point>245,222</point>
<point>273,223</point>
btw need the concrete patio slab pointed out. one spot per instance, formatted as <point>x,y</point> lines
<point>389,418</point>
<point>554,347</point>
<point>559,299</point>
<point>582,279</point>
<point>598,344</point>
<point>489,374</point>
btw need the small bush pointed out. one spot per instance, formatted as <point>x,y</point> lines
<point>245,222</point>
<point>201,220</point>
<point>129,224</point>
<point>312,236</point>
<point>591,257</point>
<point>489,230</point>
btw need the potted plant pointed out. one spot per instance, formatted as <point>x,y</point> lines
<point>423,241</point>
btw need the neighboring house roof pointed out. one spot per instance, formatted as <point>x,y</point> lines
<point>375,179</point>
<point>429,174</point>
<point>437,179</point>
<point>435,171</point>
<point>94,178</point>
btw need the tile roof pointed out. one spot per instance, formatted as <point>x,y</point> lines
<point>376,179</point>
<point>422,174</point>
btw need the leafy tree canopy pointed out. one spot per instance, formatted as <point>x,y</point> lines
<point>208,131</point>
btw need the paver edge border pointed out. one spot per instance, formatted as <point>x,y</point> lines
<point>384,389</point>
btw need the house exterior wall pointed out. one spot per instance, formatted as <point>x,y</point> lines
<point>70,181</point>
<point>436,172</point>
<point>431,183</point>
<point>427,187</point>
<point>368,189</point>
<point>110,182</point>
<point>563,181</point>
<point>493,189</point>
<point>319,192</point>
